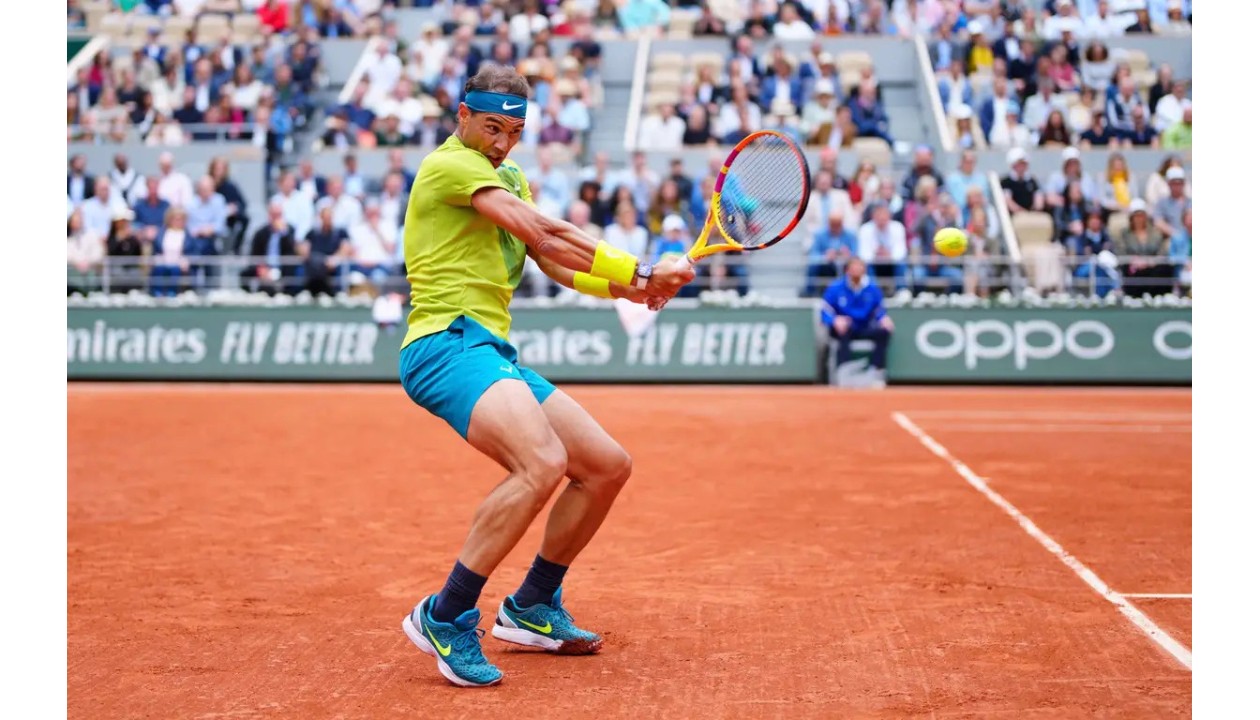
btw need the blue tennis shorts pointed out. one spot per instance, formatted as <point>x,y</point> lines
<point>447,372</point>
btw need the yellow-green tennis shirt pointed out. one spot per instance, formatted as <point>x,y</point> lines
<point>459,262</point>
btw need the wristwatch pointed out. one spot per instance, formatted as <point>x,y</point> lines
<point>642,272</point>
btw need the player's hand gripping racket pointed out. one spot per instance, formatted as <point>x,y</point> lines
<point>758,198</point>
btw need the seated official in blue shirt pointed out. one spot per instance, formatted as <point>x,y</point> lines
<point>853,309</point>
<point>273,244</point>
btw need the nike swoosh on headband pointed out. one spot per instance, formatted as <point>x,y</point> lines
<point>511,107</point>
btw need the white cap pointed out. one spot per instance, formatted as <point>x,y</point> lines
<point>782,106</point>
<point>960,111</point>
<point>974,27</point>
<point>672,222</point>
<point>1071,153</point>
<point>1137,205</point>
<point>825,87</point>
<point>1016,154</point>
<point>1175,173</point>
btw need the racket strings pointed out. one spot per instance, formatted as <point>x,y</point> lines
<point>764,192</point>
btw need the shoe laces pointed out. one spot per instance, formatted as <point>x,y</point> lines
<point>470,640</point>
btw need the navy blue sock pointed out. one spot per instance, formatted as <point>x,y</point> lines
<point>540,583</point>
<point>459,595</point>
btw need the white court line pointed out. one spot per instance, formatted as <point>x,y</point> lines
<point>1051,415</point>
<point>1159,596</point>
<point>965,426</point>
<point>1126,608</point>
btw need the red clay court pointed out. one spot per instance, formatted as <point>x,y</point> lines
<point>247,551</point>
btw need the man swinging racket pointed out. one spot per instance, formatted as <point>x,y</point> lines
<point>470,223</point>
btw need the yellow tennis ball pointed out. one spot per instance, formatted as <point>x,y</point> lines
<point>950,241</point>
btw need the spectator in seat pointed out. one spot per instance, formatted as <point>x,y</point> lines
<point>1177,136</point>
<point>823,200</point>
<point>1144,250</point>
<point>668,200</point>
<point>1117,188</point>
<point>869,115</point>
<point>626,234</point>
<point>1056,187</point>
<point>927,262</point>
<point>150,211</point>
<point>882,244</point>
<point>1022,190</point>
<point>579,215</point>
<point>817,119</point>
<point>237,212</point>
<point>187,113</point>
<point>831,247</point>
<point>271,245</point>
<point>126,249</point>
<point>1098,134</point>
<point>347,210</point>
<point>1037,108</point>
<point>79,184</point>
<point>1085,248</point>
<point>782,84</point>
<point>1097,67</point>
<point>791,26</point>
<point>697,130</point>
<point>979,50</point>
<point>360,117</point>
<point>373,240</point>
<point>943,51</point>
<point>175,187</point>
<point>1180,250</point>
<point>673,239</point>
<point>708,23</point>
<point>99,210</point>
<point>738,118</point>
<point>663,130</point>
<point>1055,132</point>
<point>924,163</point>
<point>1069,218</point>
<point>1143,25</point>
<point>170,259</point>
<point>1142,134</point>
<point>993,108</point>
<point>323,250</point>
<point>885,190</point>
<point>955,87</point>
<point>274,14</point>
<point>966,134</point>
<point>1061,72</point>
<point>1170,108</point>
<point>925,201</point>
<point>984,240</point>
<point>207,223</point>
<point>643,16</point>
<point>1169,210</point>
<point>389,132</point>
<point>966,177</point>
<point>843,130</point>
<point>85,252</point>
<point>1122,107</point>
<point>853,309</point>
<point>783,119</point>
<point>1010,132</point>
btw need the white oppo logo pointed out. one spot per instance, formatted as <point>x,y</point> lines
<point>1173,327</point>
<point>979,340</point>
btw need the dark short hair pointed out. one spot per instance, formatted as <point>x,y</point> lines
<point>499,79</point>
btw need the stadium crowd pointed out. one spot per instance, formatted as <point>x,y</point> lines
<point>1010,76</point>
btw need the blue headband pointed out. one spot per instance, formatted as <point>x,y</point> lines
<point>497,103</point>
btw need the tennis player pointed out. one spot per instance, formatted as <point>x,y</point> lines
<point>470,224</point>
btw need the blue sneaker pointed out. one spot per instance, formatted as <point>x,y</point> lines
<point>457,646</point>
<point>545,625</point>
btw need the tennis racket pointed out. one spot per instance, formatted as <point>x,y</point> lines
<point>759,196</point>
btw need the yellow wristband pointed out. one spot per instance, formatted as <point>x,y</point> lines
<point>590,285</point>
<point>613,264</point>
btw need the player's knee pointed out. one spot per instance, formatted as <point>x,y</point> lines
<point>546,467</point>
<point>615,470</point>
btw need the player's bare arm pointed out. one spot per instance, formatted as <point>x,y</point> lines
<point>565,244</point>
<point>565,277</point>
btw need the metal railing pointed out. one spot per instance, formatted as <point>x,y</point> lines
<point>1086,276</point>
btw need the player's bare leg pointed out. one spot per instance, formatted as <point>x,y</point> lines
<point>509,427</point>
<point>598,468</point>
